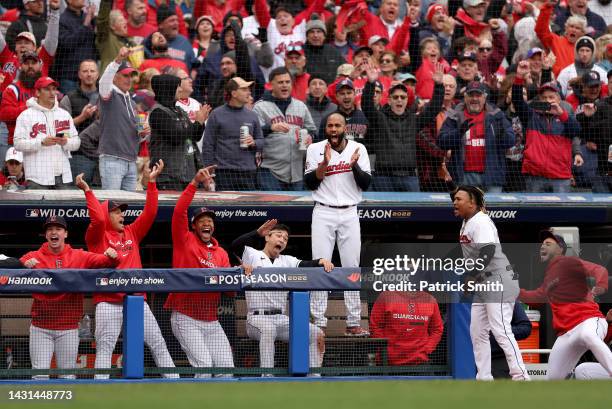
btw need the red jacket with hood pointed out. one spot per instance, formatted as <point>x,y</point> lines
<point>62,311</point>
<point>188,251</point>
<point>100,235</point>
<point>412,324</point>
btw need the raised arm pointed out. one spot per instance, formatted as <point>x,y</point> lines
<point>542,27</point>
<point>52,35</point>
<point>260,7</point>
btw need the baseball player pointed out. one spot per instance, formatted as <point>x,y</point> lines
<point>194,315</point>
<point>579,323</point>
<point>337,171</point>
<point>267,318</point>
<point>106,229</point>
<point>594,370</point>
<point>55,317</point>
<point>491,311</point>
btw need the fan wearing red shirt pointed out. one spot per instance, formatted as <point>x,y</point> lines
<point>106,229</point>
<point>194,315</point>
<point>55,317</point>
<point>579,323</point>
<point>411,323</point>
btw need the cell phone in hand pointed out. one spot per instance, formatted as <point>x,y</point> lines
<point>540,106</point>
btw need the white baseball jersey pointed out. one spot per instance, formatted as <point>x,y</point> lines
<point>189,105</point>
<point>279,42</point>
<point>477,232</point>
<point>267,300</point>
<point>338,188</point>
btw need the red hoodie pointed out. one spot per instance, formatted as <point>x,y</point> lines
<point>565,287</point>
<point>188,251</point>
<point>62,311</point>
<point>100,235</point>
<point>411,323</point>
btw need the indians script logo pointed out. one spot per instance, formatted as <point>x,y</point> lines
<point>354,277</point>
<point>3,280</point>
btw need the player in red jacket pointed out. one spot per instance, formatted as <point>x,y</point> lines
<point>194,315</point>
<point>107,229</point>
<point>579,323</point>
<point>55,317</point>
<point>411,323</point>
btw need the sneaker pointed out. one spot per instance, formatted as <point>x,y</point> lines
<point>356,332</point>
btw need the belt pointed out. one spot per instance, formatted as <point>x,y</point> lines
<point>335,207</point>
<point>267,312</point>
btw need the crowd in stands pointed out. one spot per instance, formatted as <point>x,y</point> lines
<point>508,95</point>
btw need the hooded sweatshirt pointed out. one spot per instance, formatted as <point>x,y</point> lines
<point>43,163</point>
<point>578,68</point>
<point>188,251</point>
<point>173,135</point>
<point>62,311</point>
<point>100,235</point>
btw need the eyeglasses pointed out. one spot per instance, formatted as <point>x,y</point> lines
<point>400,97</point>
<point>485,49</point>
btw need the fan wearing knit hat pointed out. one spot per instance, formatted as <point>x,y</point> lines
<point>321,59</point>
<point>585,50</point>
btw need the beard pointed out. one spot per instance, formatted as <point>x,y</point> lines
<point>340,137</point>
<point>160,48</point>
<point>28,80</point>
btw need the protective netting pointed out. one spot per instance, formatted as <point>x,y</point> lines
<point>426,87</point>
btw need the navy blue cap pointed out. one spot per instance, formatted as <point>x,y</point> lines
<point>55,221</point>
<point>476,86</point>
<point>345,83</point>
<point>547,234</point>
<point>202,211</point>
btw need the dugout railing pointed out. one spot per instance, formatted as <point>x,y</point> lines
<point>344,356</point>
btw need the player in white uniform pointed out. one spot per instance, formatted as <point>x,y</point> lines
<point>337,171</point>
<point>492,310</point>
<point>595,370</point>
<point>267,318</point>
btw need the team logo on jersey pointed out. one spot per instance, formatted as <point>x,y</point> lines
<point>354,277</point>
<point>211,280</point>
<point>9,68</point>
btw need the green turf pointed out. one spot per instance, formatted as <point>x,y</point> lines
<point>336,395</point>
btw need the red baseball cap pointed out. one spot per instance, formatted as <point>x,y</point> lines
<point>125,68</point>
<point>294,48</point>
<point>44,82</point>
<point>433,9</point>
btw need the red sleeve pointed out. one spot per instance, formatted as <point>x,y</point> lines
<point>262,13</point>
<point>599,273</point>
<point>9,107</point>
<point>608,337</point>
<point>94,236</point>
<point>436,328</point>
<point>180,222</point>
<point>143,223</point>
<point>47,60</point>
<point>316,6</point>
<point>533,296</point>
<point>6,55</point>
<point>542,27</point>
<point>199,8</point>
<point>182,27</point>
<point>401,37</point>
<point>500,49</point>
<point>572,99</point>
<point>27,256</point>
<point>377,317</point>
<point>95,260</point>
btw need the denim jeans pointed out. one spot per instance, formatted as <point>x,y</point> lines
<point>3,141</point>
<point>80,163</point>
<point>476,179</point>
<point>117,173</point>
<point>538,184</point>
<point>396,184</point>
<point>267,181</point>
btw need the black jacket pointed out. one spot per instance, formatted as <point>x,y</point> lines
<point>323,61</point>
<point>77,101</point>
<point>598,129</point>
<point>395,148</point>
<point>173,135</point>
<point>38,25</point>
<point>75,44</point>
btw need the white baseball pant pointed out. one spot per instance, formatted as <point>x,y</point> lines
<point>569,347</point>
<point>268,328</point>
<point>328,227</point>
<point>204,343</point>
<point>44,342</point>
<point>109,319</point>
<point>589,371</point>
<point>496,318</point>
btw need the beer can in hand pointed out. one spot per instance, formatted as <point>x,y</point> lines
<point>244,134</point>
<point>303,139</point>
